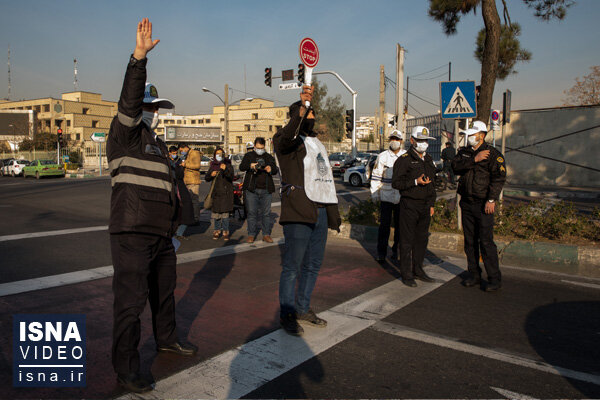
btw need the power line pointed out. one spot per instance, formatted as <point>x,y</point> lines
<point>418,112</point>
<point>422,99</point>
<point>428,79</point>
<point>435,69</point>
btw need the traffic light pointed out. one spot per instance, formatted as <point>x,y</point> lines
<point>301,73</point>
<point>268,79</point>
<point>349,120</point>
<point>59,135</point>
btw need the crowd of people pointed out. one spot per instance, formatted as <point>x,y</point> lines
<point>156,196</point>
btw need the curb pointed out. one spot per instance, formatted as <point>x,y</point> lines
<point>553,257</point>
<point>552,195</point>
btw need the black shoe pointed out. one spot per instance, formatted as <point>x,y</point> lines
<point>179,348</point>
<point>380,259</point>
<point>310,318</point>
<point>291,325</point>
<point>493,286</point>
<point>409,282</point>
<point>471,282</point>
<point>134,383</point>
<point>180,238</point>
<point>425,278</point>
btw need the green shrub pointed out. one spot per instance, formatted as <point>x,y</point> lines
<point>364,213</point>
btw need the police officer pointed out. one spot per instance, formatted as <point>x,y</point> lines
<point>382,190</point>
<point>414,175</point>
<point>143,217</point>
<point>482,174</point>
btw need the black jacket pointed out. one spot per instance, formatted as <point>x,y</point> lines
<point>482,180</point>
<point>144,190</point>
<point>448,154</point>
<point>296,207</point>
<point>187,207</point>
<point>407,168</point>
<point>250,176</point>
<point>223,192</point>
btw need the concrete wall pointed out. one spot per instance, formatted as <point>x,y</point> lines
<point>531,126</point>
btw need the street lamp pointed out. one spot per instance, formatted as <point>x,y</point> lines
<point>226,113</point>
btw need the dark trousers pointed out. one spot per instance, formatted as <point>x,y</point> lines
<point>144,266</point>
<point>258,205</point>
<point>478,229</point>
<point>388,210</point>
<point>414,235</point>
<point>447,168</point>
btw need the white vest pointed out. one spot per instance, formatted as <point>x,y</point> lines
<point>318,176</point>
<point>381,177</point>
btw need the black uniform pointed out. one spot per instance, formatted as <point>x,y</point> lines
<point>415,203</point>
<point>143,217</point>
<point>448,155</point>
<point>478,183</point>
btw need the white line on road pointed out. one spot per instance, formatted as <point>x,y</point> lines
<point>589,285</point>
<point>511,395</point>
<point>29,285</point>
<point>52,233</point>
<point>454,344</point>
<point>238,372</point>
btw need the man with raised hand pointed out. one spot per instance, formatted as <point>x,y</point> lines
<point>143,218</point>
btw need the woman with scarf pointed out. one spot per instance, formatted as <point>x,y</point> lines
<point>221,171</point>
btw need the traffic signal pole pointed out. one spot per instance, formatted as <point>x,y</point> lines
<point>354,95</point>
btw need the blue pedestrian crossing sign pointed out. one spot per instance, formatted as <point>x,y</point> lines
<point>458,99</point>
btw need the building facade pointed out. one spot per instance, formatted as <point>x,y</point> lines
<point>79,114</point>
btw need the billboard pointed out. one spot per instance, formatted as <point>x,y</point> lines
<point>193,134</point>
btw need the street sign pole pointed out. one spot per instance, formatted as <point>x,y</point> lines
<point>458,210</point>
<point>100,157</point>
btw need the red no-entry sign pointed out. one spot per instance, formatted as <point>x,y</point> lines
<point>309,52</point>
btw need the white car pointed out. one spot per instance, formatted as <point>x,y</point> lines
<point>14,168</point>
<point>357,176</point>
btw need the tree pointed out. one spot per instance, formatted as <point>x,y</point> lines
<point>494,63</point>
<point>42,141</point>
<point>586,91</point>
<point>329,113</point>
<point>510,51</point>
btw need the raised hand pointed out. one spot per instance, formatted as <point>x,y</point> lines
<point>143,41</point>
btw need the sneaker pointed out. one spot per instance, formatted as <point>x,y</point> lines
<point>267,238</point>
<point>250,239</point>
<point>310,318</point>
<point>493,286</point>
<point>290,325</point>
<point>134,383</point>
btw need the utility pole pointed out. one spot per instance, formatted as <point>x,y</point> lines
<point>450,71</point>
<point>381,131</point>
<point>9,88</point>
<point>75,82</point>
<point>401,124</point>
<point>226,118</point>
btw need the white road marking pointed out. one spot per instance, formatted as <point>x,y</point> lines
<point>454,344</point>
<point>29,285</point>
<point>238,372</point>
<point>52,233</point>
<point>584,284</point>
<point>512,395</point>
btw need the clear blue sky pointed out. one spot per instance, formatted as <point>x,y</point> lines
<point>209,43</point>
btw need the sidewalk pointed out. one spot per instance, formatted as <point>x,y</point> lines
<point>222,302</point>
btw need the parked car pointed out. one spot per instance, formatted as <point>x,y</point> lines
<point>361,174</point>
<point>204,164</point>
<point>39,168</point>
<point>4,162</point>
<point>337,161</point>
<point>14,167</point>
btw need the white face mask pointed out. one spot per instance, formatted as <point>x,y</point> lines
<point>421,147</point>
<point>395,145</point>
<point>260,152</point>
<point>472,141</point>
<point>219,158</point>
<point>150,119</point>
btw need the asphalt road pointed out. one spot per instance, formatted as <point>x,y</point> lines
<point>30,207</point>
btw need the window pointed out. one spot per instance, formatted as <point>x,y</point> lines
<point>247,128</point>
<point>94,124</point>
<point>222,119</point>
<point>68,122</point>
<point>207,120</point>
<point>239,139</point>
<point>38,108</point>
<point>270,128</point>
<point>254,115</point>
<point>78,136</point>
<point>200,121</point>
<point>193,122</point>
<point>85,110</point>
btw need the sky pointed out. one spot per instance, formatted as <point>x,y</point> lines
<point>210,44</point>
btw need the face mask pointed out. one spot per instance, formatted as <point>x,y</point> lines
<point>184,153</point>
<point>173,156</point>
<point>219,158</point>
<point>150,119</point>
<point>472,140</point>
<point>395,145</point>
<point>421,147</point>
<point>260,152</point>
